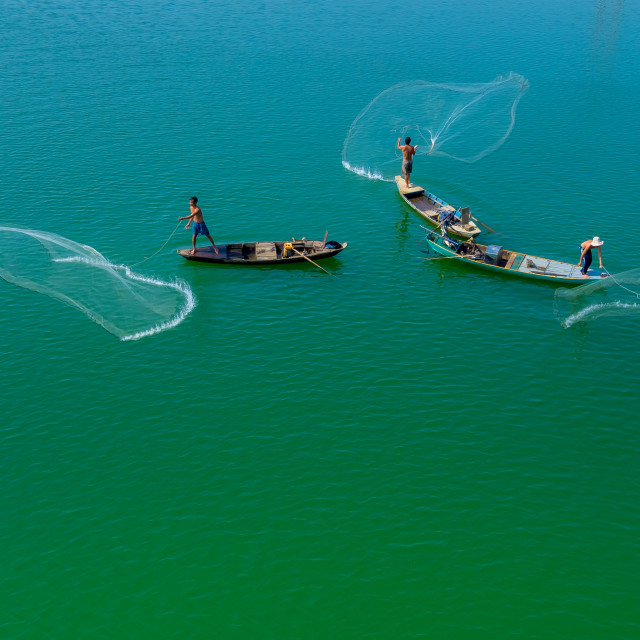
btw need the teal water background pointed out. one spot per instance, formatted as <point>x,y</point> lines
<point>411,450</point>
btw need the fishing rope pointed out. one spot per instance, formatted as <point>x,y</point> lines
<point>160,249</point>
<point>635,293</point>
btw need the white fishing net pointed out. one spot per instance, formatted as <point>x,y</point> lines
<point>617,295</point>
<point>461,121</point>
<point>128,305</point>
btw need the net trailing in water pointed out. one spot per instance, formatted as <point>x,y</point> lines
<point>126,304</point>
<point>617,295</point>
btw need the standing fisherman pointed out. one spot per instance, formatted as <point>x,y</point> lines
<point>407,158</point>
<point>198,224</point>
<point>586,257</point>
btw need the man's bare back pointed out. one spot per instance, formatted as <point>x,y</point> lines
<point>408,151</point>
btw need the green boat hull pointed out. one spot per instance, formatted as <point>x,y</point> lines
<point>491,258</point>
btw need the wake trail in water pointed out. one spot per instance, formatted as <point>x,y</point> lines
<point>615,296</point>
<point>126,304</point>
<point>465,122</point>
<point>363,171</point>
<point>594,311</point>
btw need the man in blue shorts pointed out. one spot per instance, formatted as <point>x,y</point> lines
<point>198,224</point>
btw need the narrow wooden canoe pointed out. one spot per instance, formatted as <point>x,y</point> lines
<point>497,259</point>
<point>434,210</point>
<point>257,253</point>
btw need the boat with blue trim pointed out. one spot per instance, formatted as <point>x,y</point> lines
<point>495,258</point>
<point>436,211</point>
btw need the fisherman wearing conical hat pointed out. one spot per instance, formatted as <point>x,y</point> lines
<point>585,254</point>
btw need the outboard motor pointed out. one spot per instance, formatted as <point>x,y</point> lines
<point>447,219</point>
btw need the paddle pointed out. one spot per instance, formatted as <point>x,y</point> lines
<point>485,226</point>
<point>312,262</point>
<point>438,258</point>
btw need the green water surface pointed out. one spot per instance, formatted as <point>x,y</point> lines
<point>409,450</point>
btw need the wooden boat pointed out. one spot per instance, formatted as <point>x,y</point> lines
<point>497,259</point>
<point>434,210</point>
<point>257,253</point>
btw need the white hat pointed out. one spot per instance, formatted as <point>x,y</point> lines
<point>596,242</point>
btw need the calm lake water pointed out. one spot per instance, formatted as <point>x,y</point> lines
<point>409,450</point>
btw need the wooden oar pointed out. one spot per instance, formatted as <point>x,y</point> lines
<point>439,258</point>
<point>313,263</point>
<point>484,225</point>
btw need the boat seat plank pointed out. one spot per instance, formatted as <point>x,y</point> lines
<point>412,192</point>
<point>561,269</point>
<point>531,264</point>
<point>424,206</point>
<point>510,261</point>
<point>517,262</point>
<point>234,252</point>
<point>266,250</point>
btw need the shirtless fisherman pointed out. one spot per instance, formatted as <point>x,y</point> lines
<point>585,254</point>
<point>198,224</point>
<point>407,158</point>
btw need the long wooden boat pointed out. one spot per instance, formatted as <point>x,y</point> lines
<point>495,258</point>
<point>261,253</point>
<point>435,210</point>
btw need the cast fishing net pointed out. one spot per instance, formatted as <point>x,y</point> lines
<point>128,305</point>
<point>617,295</point>
<point>461,121</point>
